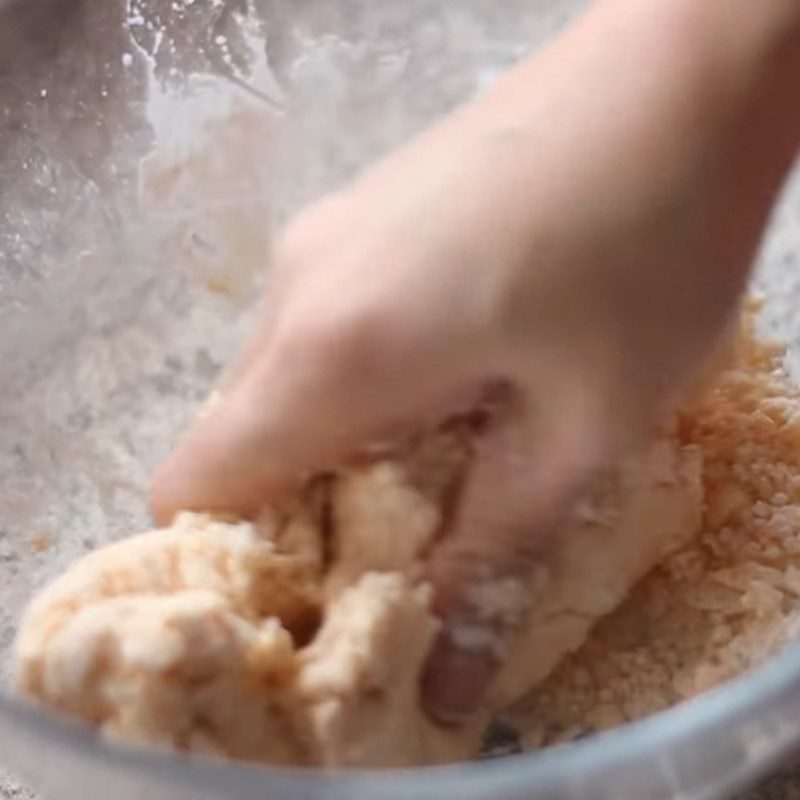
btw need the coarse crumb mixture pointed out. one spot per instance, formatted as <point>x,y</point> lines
<point>726,602</point>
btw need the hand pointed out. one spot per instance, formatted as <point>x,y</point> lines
<point>579,236</point>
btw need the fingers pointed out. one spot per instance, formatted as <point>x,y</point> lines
<point>310,391</point>
<point>525,477</point>
<point>281,412</point>
<point>237,453</point>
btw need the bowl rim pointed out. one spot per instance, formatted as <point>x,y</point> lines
<point>716,712</point>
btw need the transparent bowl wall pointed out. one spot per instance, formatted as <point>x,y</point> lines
<point>147,153</point>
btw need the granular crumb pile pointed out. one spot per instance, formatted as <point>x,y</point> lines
<point>723,604</point>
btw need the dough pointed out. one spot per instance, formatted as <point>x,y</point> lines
<point>300,639</point>
<point>723,605</point>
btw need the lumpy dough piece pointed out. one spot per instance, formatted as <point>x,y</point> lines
<point>238,562</point>
<point>170,638</point>
<point>301,639</point>
<point>380,498</point>
<point>180,671</point>
<point>408,501</point>
<point>359,680</point>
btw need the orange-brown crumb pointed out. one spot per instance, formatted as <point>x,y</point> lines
<point>726,602</point>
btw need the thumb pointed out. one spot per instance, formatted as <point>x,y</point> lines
<point>525,477</point>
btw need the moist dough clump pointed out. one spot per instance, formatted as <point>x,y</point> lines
<point>300,638</point>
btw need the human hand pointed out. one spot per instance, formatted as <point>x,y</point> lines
<point>579,237</point>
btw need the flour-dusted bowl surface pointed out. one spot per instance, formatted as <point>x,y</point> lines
<point>148,149</point>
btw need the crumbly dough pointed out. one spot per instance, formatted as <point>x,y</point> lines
<point>300,639</point>
<point>723,604</point>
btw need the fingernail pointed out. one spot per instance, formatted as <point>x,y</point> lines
<point>456,679</point>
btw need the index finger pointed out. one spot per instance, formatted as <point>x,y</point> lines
<point>260,438</point>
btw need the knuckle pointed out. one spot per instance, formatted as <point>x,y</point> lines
<point>339,345</point>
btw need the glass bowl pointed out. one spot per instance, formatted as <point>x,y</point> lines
<point>148,150</point>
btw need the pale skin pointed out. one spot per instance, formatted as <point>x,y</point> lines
<point>579,236</point>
